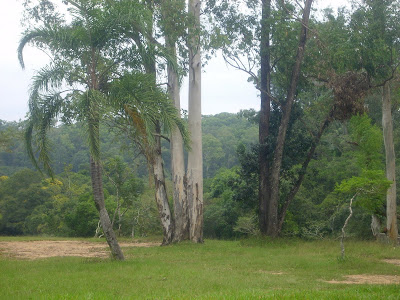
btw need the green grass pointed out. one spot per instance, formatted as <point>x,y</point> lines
<point>277,269</point>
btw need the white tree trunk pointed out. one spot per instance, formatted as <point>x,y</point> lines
<point>375,225</point>
<point>177,157</point>
<point>391,209</point>
<point>161,195</point>
<point>195,158</point>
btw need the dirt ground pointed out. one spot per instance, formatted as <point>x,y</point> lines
<point>44,249</point>
<point>371,279</point>
<point>368,279</point>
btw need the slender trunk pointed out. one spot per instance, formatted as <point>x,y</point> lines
<point>157,167</point>
<point>303,171</point>
<point>195,158</point>
<point>387,124</point>
<point>177,157</point>
<point>97,184</point>
<point>265,111</point>
<point>272,207</point>
<point>161,192</point>
<point>95,167</point>
<point>345,225</point>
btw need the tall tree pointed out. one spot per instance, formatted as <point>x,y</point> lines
<point>387,124</point>
<point>264,188</point>
<point>195,158</point>
<point>86,54</point>
<point>272,205</point>
<point>379,26</point>
<point>172,16</point>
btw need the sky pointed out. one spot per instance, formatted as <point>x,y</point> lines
<point>223,89</point>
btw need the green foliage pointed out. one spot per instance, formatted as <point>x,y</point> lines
<point>82,218</point>
<point>370,187</point>
<point>368,140</point>
<point>371,184</point>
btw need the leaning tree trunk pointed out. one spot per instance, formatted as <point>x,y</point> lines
<point>161,191</point>
<point>264,186</point>
<point>97,184</point>
<point>177,157</point>
<point>303,171</point>
<point>272,208</point>
<point>195,158</point>
<point>391,209</point>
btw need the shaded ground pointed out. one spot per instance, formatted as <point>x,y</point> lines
<point>43,249</point>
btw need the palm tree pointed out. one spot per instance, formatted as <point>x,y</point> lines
<point>91,74</point>
<point>87,53</point>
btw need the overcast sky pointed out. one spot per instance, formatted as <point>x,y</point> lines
<point>223,89</point>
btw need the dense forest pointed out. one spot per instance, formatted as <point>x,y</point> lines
<point>106,148</point>
<point>32,203</point>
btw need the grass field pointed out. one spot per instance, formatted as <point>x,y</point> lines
<point>277,269</point>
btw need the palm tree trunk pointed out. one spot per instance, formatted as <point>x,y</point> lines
<point>97,184</point>
<point>387,124</point>
<point>195,158</point>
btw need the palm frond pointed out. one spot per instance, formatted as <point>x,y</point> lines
<point>136,94</point>
<point>43,110</point>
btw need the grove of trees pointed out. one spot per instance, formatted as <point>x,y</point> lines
<point>106,126</point>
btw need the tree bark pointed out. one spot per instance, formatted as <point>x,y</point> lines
<point>265,111</point>
<point>387,124</point>
<point>375,225</point>
<point>97,185</point>
<point>195,158</point>
<point>161,192</point>
<point>177,157</point>
<point>272,207</point>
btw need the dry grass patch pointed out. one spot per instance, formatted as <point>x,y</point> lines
<point>392,261</point>
<point>368,279</point>
<point>44,249</point>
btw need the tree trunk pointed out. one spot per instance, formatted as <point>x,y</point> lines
<point>387,124</point>
<point>97,184</point>
<point>264,186</point>
<point>195,158</point>
<point>375,225</point>
<point>177,157</point>
<point>161,192</point>
<point>303,171</point>
<point>272,207</point>
<point>345,225</point>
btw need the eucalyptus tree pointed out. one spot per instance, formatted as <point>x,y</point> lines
<point>173,25</point>
<point>195,157</point>
<point>153,55</point>
<point>86,54</point>
<point>150,116</point>
<point>263,40</point>
<point>376,27</point>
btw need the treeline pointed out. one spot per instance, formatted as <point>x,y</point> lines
<point>31,203</point>
<point>326,85</point>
